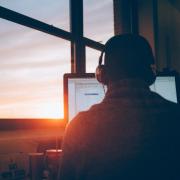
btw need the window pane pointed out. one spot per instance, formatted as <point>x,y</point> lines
<point>92,59</point>
<point>32,65</point>
<point>53,12</point>
<point>98,20</point>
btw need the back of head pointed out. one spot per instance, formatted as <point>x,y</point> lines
<point>129,56</point>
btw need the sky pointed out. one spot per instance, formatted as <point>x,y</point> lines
<point>32,63</point>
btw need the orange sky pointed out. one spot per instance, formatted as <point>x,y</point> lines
<point>32,63</point>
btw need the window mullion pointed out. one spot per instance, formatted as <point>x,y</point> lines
<point>77,45</point>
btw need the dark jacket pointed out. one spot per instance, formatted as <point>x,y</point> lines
<point>132,134</point>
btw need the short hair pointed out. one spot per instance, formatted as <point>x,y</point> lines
<point>128,55</point>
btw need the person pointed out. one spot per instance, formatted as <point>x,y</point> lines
<point>133,133</point>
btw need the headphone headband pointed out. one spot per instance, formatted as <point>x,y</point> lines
<point>100,70</point>
<point>104,73</point>
<point>101,57</point>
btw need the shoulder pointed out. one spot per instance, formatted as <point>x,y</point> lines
<point>85,119</point>
<point>78,123</point>
<point>74,132</point>
<point>78,119</point>
<point>164,103</point>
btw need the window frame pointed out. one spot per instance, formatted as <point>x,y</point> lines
<point>78,47</point>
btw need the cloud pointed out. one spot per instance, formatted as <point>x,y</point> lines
<point>52,12</point>
<point>32,63</point>
<point>95,14</point>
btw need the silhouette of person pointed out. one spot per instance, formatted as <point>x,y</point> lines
<point>133,133</point>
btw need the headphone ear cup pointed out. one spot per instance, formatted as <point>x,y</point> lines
<point>150,72</point>
<point>101,74</point>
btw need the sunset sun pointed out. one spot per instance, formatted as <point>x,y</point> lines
<point>50,111</point>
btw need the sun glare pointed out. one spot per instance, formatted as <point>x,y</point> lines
<point>51,111</point>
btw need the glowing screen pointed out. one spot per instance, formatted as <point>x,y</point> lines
<point>85,92</point>
<point>82,94</point>
<point>166,87</point>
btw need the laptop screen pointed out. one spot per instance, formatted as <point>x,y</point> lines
<point>80,93</point>
<point>166,87</point>
<point>83,91</point>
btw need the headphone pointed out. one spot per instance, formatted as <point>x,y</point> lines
<point>102,76</point>
<point>101,73</point>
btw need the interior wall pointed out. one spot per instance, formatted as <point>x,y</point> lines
<point>168,52</point>
<point>122,16</point>
<point>146,21</point>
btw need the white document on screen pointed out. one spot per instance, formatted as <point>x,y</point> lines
<point>166,87</point>
<point>83,94</point>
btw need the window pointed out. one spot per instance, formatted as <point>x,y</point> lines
<point>92,59</point>
<point>98,20</point>
<point>31,70</point>
<point>33,63</point>
<point>53,12</point>
<point>98,26</point>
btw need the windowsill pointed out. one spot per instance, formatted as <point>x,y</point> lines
<point>29,135</point>
<point>29,124</point>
